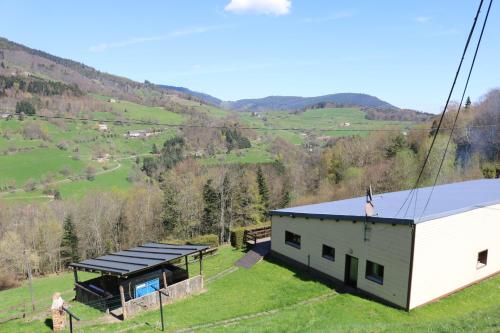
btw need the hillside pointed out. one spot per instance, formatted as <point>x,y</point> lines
<point>205,98</point>
<point>272,103</point>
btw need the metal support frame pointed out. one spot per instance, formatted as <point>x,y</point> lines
<point>187,264</point>
<point>71,316</point>
<point>160,292</point>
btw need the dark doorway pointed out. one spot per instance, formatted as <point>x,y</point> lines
<point>351,271</point>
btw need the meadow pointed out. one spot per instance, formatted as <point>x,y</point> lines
<point>271,297</point>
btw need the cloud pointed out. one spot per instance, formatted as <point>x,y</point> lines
<point>267,7</point>
<point>332,17</point>
<point>138,40</point>
<point>422,19</point>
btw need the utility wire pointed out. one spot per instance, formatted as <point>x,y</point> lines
<point>181,126</point>
<point>426,160</point>
<point>459,108</point>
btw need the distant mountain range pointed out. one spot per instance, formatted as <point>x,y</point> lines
<point>25,60</point>
<point>289,103</point>
<point>298,103</point>
<point>199,95</point>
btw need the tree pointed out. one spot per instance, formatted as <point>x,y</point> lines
<point>211,209</point>
<point>25,107</point>
<point>263,191</point>
<point>69,242</point>
<point>154,150</point>
<point>468,103</point>
<point>171,213</point>
<point>398,143</point>
<point>149,165</point>
<point>172,152</point>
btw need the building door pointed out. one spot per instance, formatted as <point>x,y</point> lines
<point>351,271</point>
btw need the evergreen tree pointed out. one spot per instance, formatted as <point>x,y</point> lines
<point>25,107</point>
<point>468,103</point>
<point>210,218</point>
<point>69,242</point>
<point>244,205</point>
<point>263,191</point>
<point>155,150</point>
<point>171,213</point>
<point>286,197</point>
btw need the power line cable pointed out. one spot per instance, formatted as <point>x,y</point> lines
<point>181,126</point>
<point>426,160</point>
<point>459,108</point>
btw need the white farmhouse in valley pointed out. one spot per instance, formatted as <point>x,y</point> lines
<point>103,127</point>
<point>404,257</point>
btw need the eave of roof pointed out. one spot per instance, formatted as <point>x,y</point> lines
<point>446,200</point>
<point>138,259</point>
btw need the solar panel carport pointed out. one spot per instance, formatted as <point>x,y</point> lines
<point>144,257</point>
<point>132,273</point>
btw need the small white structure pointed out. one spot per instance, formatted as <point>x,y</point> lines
<point>137,134</point>
<point>406,257</point>
<point>103,127</point>
<point>346,124</point>
<point>112,100</point>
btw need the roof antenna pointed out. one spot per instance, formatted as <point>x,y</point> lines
<point>369,207</point>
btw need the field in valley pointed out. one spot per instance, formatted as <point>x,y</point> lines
<point>59,153</point>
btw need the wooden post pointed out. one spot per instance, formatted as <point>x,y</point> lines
<point>122,299</point>
<point>164,274</point>
<point>187,265</point>
<point>201,262</point>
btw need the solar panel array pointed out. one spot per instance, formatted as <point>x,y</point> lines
<point>137,259</point>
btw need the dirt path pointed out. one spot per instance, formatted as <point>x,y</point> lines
<point>234,320</point>
<point>67,180</point>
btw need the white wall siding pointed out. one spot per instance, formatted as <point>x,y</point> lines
<point>388,245</point>
<point>446,252</point>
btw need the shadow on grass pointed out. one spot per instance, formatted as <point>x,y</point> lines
<point>308,274</point>
<point>48,322</point>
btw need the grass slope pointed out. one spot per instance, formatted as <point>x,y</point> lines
<point>273,298</point>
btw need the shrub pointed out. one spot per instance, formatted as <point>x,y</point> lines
<point>237,236</point>
<point>25,107</point>
<point>210,240</point>
<point>489,170</point>
<point>8,280</point>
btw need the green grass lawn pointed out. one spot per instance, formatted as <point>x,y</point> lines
<point>318,122</point>
<point>243,156</point>
<point>36,163</point>
<point>277,297</point>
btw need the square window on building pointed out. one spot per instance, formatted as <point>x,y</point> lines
<point>482,258</point>
<point>328,252</point>
<point>374,272</point>
<point>292,239</point>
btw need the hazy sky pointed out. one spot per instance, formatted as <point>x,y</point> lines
<point>404,52</point>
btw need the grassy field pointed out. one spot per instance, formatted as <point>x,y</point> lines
<point>320,122</point>
<point>273,298</point>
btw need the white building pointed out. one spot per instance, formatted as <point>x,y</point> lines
<point>103,127</point>
<point>406,257</point>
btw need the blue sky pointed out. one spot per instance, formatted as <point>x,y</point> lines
<point>403,52</point>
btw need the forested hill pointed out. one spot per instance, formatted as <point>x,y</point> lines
<point>19,60</point>
<point>273,103</point>
<point>197,95</point>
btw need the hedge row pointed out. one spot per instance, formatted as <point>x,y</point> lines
<point>238,234</point>
<point>210,240</point>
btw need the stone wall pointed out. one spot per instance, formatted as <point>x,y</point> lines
<point>151,301</point>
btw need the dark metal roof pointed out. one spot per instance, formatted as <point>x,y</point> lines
<point>137,259</point>
<point>446,200</point>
